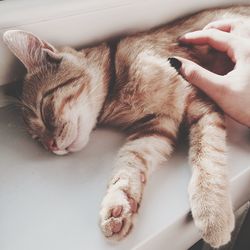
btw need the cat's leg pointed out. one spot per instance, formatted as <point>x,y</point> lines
<point>209,186</point>
<point>146,148</point>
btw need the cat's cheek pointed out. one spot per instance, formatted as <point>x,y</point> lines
<point>79,144</point>
<point>84,129</point>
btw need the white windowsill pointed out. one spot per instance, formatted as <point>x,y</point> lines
<point>52,202</point>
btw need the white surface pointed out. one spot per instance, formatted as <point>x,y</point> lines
<point>52,202</point>
<point>185,227</point>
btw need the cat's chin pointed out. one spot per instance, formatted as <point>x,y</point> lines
<point>61,152</point>
<point>82,137</point>
<point>77,145</point>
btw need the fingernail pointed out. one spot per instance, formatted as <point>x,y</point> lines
<point>185,36</point>
<point>188,35</point>
<point>175,63</point>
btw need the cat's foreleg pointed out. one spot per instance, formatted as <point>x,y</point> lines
<point>209,186</point>
<point>144,151</point>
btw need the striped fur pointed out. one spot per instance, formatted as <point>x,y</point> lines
<point>131,85</point>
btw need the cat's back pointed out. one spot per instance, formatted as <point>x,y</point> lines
<point>164,39</point>
<point>145,81</point>
<point>142,53</point>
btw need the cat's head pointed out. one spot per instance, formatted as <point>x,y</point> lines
<point>62,93</point>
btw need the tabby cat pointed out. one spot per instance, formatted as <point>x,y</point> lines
<point>131,84</point>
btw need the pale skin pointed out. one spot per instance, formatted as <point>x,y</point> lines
<point>231,91</point>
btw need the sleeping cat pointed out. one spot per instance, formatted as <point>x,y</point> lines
<point>132,85</point>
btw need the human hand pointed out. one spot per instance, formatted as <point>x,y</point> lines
<point>231,91</point>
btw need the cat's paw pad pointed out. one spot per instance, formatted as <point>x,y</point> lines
<point>121,204</point>
<point>216,228</point>
<point>117,214</point>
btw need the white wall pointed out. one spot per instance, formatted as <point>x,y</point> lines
<point>79,22</point>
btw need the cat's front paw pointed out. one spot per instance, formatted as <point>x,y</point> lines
<point>216,224</point>
<point>120,205</point>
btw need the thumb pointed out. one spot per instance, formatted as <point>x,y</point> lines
<point>208,82</point>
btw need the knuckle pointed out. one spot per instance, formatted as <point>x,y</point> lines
<point>214,35</point>
<point>237,50</point>
<point>233,42</point>
<point>237,22</point>
<point>223,90</point>
<point>225,85</point>
<point>210,33</point>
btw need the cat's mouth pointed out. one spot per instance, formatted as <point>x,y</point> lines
<point>77,143</point>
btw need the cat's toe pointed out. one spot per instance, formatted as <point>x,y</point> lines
<point>216,237</point>
<point>117,214</point>
<point>216,230</point>
<point>231,221</point>
<point>111,226</point>
<point>117,226</point>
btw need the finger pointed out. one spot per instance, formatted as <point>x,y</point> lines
<point>217,39</point>
<point>212,84</point>
<point>225,25</point>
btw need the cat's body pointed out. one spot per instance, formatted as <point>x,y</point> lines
<point>132,86</point>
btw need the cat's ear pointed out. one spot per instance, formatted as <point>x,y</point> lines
<point>29,49</point>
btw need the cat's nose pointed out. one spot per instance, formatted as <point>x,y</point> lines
<point>51,144</point>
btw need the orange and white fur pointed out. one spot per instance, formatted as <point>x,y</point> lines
<point>130,84</point>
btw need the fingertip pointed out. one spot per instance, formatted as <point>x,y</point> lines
<point>210,25</point>
<point>181,38</point>
<point>223,25</point>
<point>193,38</point>
<point>184,38</point>
<point>207,27</point>
<point>181,65</point>
<point>175,63</point>
<point>187,36</point>
<point>200,77</point>
<point>191,71</point>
